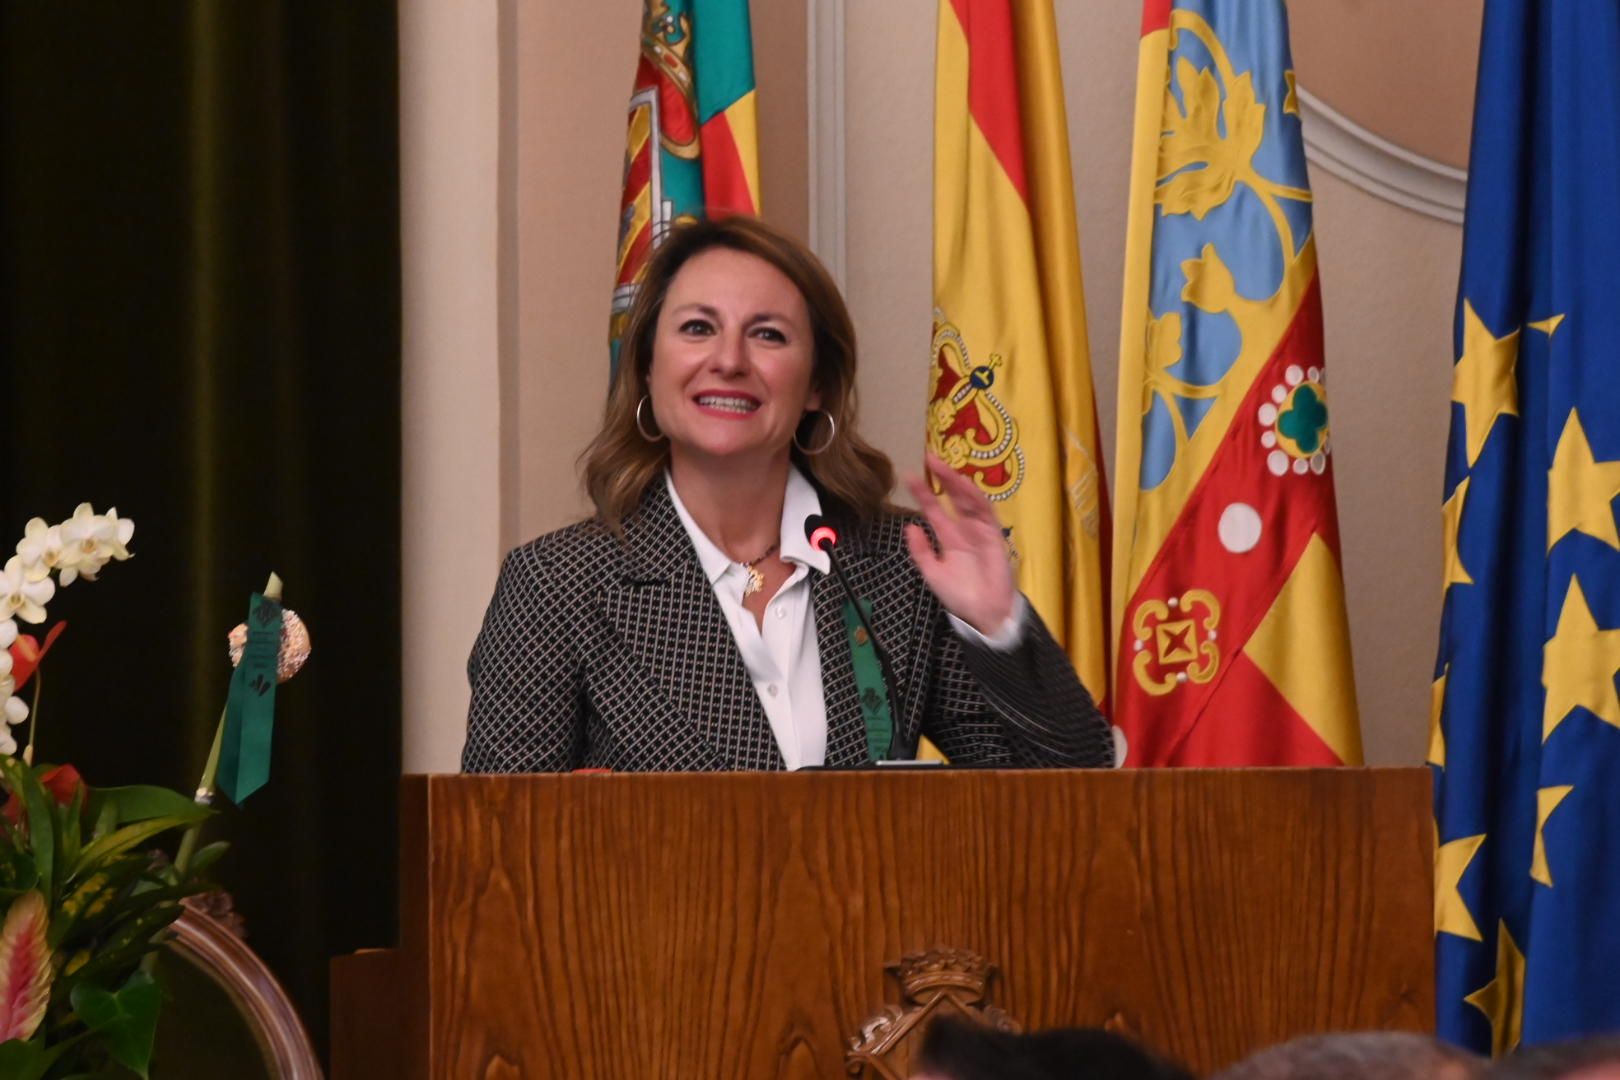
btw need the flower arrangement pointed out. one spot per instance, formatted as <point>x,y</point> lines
<point>83,901</point>
<point>77,548</point>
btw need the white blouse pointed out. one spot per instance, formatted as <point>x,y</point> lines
<point>782,655</point>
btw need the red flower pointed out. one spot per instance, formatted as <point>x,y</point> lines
<point>61,782</point>
<point>27,652</point>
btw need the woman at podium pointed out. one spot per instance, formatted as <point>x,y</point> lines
<point>696,623</point>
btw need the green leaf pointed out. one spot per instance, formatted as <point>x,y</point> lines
<point>125,1022</point>
<point>139,900</point>
<point>119,841</point>
<point>207,856</point>
<point>88,904</point>
<point>106,816</point>
<point>27,1060</point>
<point>41,835</point>
<point>124,948</point>
<point>18,873</point>
<point>140,802</point>
<point>68,830</point>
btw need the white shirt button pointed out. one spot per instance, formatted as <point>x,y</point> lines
<point>781,612</point>
<point>771,689</point>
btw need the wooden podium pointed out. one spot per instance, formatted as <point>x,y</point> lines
<point>749,925</point>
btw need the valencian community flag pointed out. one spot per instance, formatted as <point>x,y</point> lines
<point>692,149</point>
<point>1232,646</point>
<point>1010,392</point>
<point>1526,739</point>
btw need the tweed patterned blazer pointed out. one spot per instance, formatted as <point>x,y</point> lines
<point>612,652</point>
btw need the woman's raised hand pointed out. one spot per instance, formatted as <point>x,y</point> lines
<point>971,573</point>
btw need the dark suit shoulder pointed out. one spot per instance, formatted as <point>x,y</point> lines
<point>886,533</point>
<point>569,556</point>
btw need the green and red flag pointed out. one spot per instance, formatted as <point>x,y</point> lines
<point>1231,641</point>
<point>692,147</point>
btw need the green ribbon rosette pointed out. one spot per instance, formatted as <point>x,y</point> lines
<point>250,707</point>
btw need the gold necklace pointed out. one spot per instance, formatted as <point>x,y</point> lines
<point>756,580</point>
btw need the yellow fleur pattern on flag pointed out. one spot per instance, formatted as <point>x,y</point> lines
<point>1209,145</point>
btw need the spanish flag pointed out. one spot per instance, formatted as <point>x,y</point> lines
<point>1010,395</point>
<point>1232,646</point>
<point>692,146</point>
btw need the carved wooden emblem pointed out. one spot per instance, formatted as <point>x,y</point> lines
<point>942,980</point>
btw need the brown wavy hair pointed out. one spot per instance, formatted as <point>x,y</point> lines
<point>620,462</point>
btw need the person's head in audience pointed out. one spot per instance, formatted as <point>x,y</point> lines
<point>961,1050</point>
<point>1581,1059</point>
<point>1385,1055</point>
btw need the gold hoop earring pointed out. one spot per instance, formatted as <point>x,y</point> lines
<point>832,434</point>
<point>640,426</point>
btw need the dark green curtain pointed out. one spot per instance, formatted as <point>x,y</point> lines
<point>199,324</point>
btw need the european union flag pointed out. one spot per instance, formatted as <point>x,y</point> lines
<point>1526,739</point>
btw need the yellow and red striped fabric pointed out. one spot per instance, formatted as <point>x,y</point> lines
<point>1011,403</point>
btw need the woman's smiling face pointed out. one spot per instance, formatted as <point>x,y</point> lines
<point>733,357</point>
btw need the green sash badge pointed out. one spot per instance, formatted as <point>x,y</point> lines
<point>244,755</point>
<point>869,681</point>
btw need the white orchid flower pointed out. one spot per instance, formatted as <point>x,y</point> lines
<point>21,598</point>
<point>40,549</point>
<point>90,540</point>
<point>8,633</point>
<point>5,669</point>
<point>14,709</point>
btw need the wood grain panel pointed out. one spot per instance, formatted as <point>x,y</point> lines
<point>738,926</point>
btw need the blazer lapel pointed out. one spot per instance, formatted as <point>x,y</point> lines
<point>664,609</point>
<point>846,726</point>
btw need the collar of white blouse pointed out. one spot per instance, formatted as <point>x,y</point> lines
<point>799,501</point>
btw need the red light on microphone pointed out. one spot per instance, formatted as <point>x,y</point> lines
<point>823,537</point>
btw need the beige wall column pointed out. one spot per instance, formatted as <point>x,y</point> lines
<point>450,378</point>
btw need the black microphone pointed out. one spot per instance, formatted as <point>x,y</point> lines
<point>823,536</point>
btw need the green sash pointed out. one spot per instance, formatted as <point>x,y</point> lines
<point>250,707</point>
<point>874,694</point>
